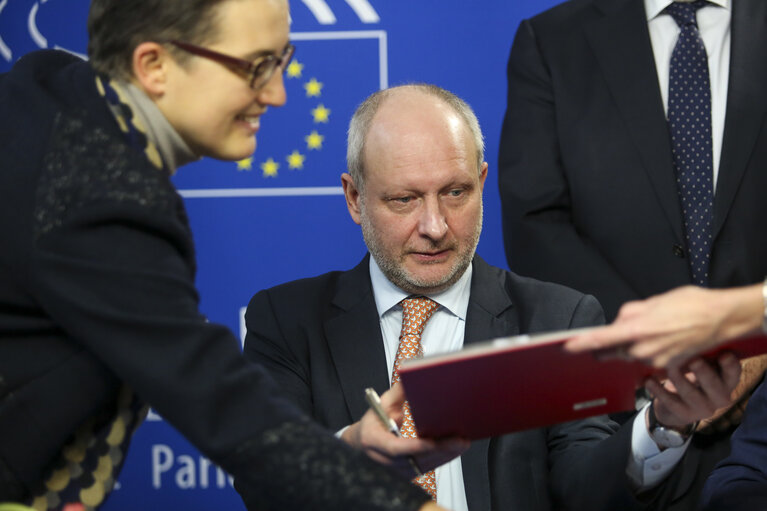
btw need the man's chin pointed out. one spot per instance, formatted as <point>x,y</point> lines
<point>414,282</point>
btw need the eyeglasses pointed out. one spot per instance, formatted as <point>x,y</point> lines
<point>259,72</point>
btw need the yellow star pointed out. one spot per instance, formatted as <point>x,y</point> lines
<point>313,88</point>
<point>321,114</point>
<point>270,168</point>
<point>294,69</point>
<point>314,140</point>
<point>296,160</point>
<point>245,164</point>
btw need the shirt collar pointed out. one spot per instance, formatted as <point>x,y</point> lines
<point>387,296</point>
<point>654,7</point>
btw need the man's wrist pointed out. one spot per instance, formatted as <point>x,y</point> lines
<point>667,436</point>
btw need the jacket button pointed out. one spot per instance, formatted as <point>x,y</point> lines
<point>678,251</point>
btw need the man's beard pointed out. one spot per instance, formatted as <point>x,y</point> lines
<point>395,270</point>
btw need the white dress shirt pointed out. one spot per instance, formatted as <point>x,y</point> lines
<point>443,332</point>
<point>714,28</point>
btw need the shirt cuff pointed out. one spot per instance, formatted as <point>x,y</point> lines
<point>341,431</point>
<point>648,465</point>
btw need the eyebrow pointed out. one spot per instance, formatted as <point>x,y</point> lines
<point>256,54</point>
<point>263,53</point>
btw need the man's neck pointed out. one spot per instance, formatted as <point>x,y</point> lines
<point>387,294</point>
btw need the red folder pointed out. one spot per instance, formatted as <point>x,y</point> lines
<point>524,382</point>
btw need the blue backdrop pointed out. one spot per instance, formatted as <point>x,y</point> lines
<point>280,215</point>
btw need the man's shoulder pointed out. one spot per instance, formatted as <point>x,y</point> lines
<point>306,285</point>
<point>526,287</point>
<point>318,290</point>
<point>571,11</point>
<point>564,20</point>
<point>541,305</point>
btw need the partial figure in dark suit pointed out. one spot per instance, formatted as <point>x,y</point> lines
<point>669,328</point>
<point>586,170</point>
<point>416,175</point>
<point>595,158</point>
<point>739,483</point>
<point>98,310</point>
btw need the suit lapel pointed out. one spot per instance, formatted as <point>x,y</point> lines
<point>490,314</point>
<point>621,42</point>
<point>355,341</point>
<point>745,100</point>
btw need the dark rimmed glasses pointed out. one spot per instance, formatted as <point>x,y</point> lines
<point>259,71</point>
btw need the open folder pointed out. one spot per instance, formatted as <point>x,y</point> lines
<point>528,381</point>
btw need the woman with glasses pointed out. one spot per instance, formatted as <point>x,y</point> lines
<point>98,310</point>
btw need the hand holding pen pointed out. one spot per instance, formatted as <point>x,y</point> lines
<point>378,442</point>
<point>371,396</point>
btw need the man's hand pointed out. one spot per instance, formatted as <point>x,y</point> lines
<point>370,436</point>
<point>668,329</point>
<point>687,398</point>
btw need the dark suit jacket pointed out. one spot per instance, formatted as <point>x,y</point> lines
<point>586,179</point>
<point>321,340</point>
<point>739,483</point>
<point>587,186</point>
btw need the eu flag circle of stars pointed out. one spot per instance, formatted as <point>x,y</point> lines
<point>320,115</point>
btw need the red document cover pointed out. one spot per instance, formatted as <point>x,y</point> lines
<point>524,382</point>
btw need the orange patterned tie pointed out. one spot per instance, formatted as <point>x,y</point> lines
<point>415,313</point>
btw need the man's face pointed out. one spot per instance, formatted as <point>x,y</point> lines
<point>212,107</point>
<point>421,208</point>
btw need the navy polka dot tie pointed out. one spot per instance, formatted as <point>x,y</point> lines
<point>689,118</point>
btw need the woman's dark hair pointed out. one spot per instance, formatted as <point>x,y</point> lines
<point>117,27</point>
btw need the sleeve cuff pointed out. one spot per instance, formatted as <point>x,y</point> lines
<point>648,465</point>
<point>340,432</point>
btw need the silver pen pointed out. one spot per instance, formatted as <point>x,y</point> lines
<point>371,396</point>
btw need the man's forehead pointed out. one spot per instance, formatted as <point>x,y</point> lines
<point>409,101</point>
<point>413,112</point>
<point>418,158</point>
